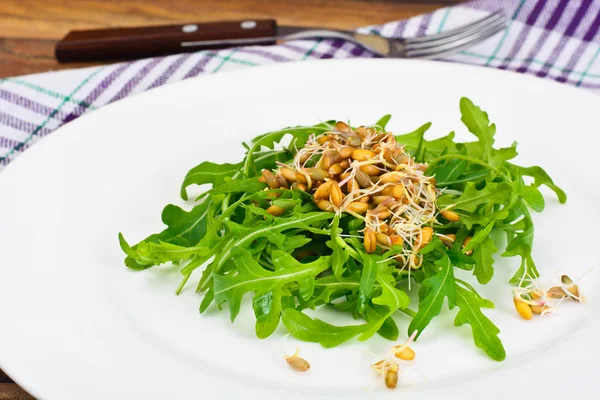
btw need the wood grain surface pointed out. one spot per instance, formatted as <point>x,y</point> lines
<point>29,30</point>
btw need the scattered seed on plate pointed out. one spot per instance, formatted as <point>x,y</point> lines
<point>296,362</point>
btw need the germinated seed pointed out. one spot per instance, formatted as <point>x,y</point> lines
<point>275,210</point>
<point>270,179</point>
<point>358,207</point>
<point>566,280</point>
<point>400,157</point>
<point>336,195</point>
<point>556,293</point>
<point>299,186</point>
<point>323,191</point>
<point>370,240</point>
<point>398,191</point>
<point>362,154</point>
<point>342,127</point>
<point>283,183</point>
<point>317,174</point>
<point>370,169</point>
<point>448,238</point>
<point>537,309</point>
<point>574,290</point>
<point>390,177</point>
<point>324,205</point>
<point>364,181</point>
<point>465,243</point>
<point>346,152</point>
<point>383,239</point>
<point>325,162</point>
<point>354,140</point>
<point>362,132</point>
<point>335,169</point>
<point>425,236</point>
<point>387,191</point>
<point>391,377</point>
<point>300,177</point>
<point>298,363</point>
<point>379,199</point>
<point>288,174</point>
<point>406,354</point>
<point>381,213</point>
<point>523,309</point>
<point>450,215</point>
<point>397,240</point>
<point>352,185</point>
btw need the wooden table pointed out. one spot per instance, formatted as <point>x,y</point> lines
<point>29,29</point>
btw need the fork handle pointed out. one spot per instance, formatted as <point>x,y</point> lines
<point>133,43</point>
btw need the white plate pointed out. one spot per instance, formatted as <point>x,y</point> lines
<point>76,324</point>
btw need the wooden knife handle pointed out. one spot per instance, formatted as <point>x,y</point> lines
<point>133,43</point>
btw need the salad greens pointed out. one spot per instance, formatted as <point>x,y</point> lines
<point>302,257</point>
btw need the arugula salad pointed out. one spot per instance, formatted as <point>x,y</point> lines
<point>355,218</point>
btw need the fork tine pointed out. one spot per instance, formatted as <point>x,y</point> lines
<point>457,37</point>
<point>455,46</point>
<point>459,31</point>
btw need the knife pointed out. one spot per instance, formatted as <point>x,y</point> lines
<point>134,43</point>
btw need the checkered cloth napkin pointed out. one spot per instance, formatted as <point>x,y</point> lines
<point>553,39</point>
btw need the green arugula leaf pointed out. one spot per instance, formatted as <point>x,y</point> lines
<point>208,172</point>
<point>448,173</point>
<point>532,196</point>
<point>383,121</point>
<point>267,309</point>
<point>435,289</point>
<point>389,329</point>
<point>207,300</point>
<point>479,237</point>
<point>252,277</point>
<point>426,150</point>
<point>307,288</point>
<point>183,229</point>
<point>307,329</point>
<point>478,123</point>
<point>134,260</point>
<point>266,159</point>
<point>411,140</point>
<point>367,281</point>
<point>484,269</point>
<point>390,297</point>
<point>492,193</point>
<point>245,235</point>
<point>474,177</point>
<point>270,139</point>
<point>521,244</point>
<point>249,185</point>
<point>339,256</point>
<point>526,272</point>
<point>540,177</point>
<point>327,286</point>
<point>485,333</point>
<point>500,156</point>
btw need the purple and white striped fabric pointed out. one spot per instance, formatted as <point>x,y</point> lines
<point>552,39</point>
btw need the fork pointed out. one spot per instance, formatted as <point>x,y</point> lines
<point>429,46</point>
<point>132,43</point>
